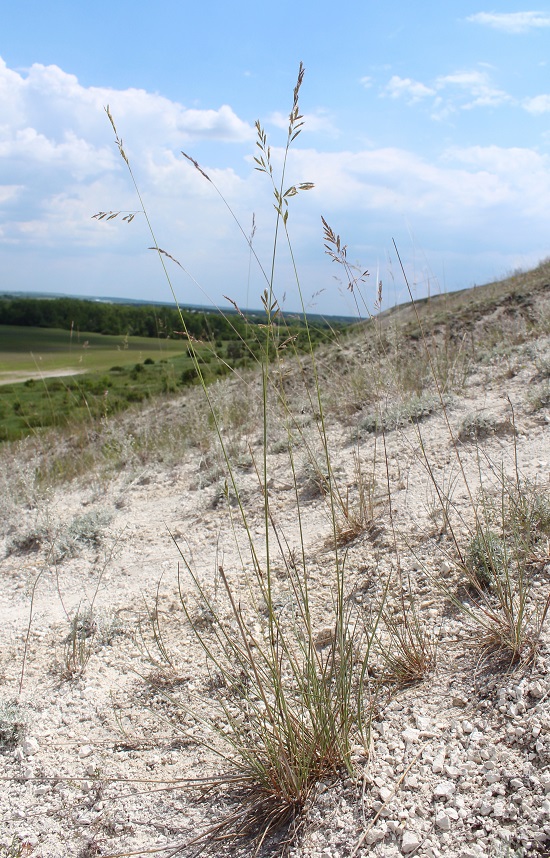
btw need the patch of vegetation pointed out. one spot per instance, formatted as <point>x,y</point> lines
<point>477,427</point>
<point>413,410</point>
<point>84,530</point>
<point>107,388</point>
<point>485,558</point>
<point>13,723</point>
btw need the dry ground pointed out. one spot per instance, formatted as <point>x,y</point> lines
<point>457,765</point>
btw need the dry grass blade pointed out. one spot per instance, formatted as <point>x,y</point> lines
<point>407,649</point>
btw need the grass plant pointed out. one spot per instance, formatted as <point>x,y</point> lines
<point>511,524</point>
<point>485,558</point>
<point>355,511</point>
<point>507,620</point>
<point>13,723</point>
<point>288,700</point>
<point>78,645</point>
<point>300,707</point>
<point>406,647</point>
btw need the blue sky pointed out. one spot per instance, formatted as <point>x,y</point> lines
<point>424,123</point>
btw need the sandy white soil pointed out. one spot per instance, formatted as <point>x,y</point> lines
<point>459,765</point>
<point>14,377</point>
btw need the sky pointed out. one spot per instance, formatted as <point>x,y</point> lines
<point>426,127</point>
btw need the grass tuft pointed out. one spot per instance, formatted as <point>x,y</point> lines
<point>13,723</point>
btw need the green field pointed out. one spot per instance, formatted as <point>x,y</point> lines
<point>56,376</point>
<point>36,350</point>
<point>114,373</point>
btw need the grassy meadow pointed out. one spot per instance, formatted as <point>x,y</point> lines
<point>44,350</point>
<point>104,374</point>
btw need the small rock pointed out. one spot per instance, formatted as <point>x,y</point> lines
<point>411,735</point>
<point>376,834</point>
<point>499,809</point>
<point>492,777</point>
<point>85,751</point>
<point>452,771</point>
<point>443,821</point>
<point>324,637</point>
<point>467,726</point>
<point>444,789</point>
<point>385,793</point>
<point>28,838</point>
<point>438,763</point>
<point>410,841</point>
<point>476,735</point>
<point>30,746</point>
<point>536,690</point>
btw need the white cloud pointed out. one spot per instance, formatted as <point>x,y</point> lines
<point>9,192</point>
<point>366,82</point>
<point>523,174</point>
<point>462,90</point>
<point>53,106</point>
<point>56,145</point>
<point>396,181</point>
<point>511,22</point>
<point>461,188</point>
<point>477,87</point>
<point>404,87</point>
<point>537,105</point>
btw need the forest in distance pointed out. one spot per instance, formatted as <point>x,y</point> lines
<point>144,319</point>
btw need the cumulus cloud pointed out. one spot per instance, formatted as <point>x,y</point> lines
<point>537,105</point>
<point>466,201</point>
<point>396,181</point>
<point>404,87</point>
<point>53,101</point>
<point>511,22</point>
<point>523,174</point>
<point>475,86</point>
<point>462,90</point>
<point>56,146</point>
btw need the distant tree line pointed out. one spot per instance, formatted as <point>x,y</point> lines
<point>103,318</point>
